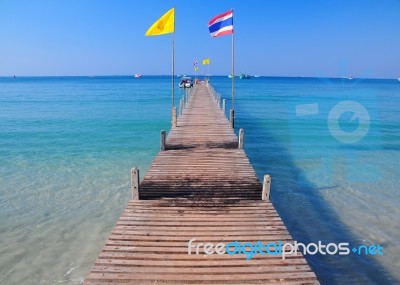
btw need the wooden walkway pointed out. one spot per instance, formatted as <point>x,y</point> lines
<point>203,187</point>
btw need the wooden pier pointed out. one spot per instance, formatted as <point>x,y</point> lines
<point>202,187</point>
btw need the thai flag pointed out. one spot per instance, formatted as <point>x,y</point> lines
<point>222,24</point>
<point>195,63</point>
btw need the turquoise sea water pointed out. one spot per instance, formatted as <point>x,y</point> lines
<point>67,144</point>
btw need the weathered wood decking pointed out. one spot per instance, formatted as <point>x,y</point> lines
<point>201,187</point>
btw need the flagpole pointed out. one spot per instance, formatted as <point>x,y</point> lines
<point>173,112</point>
<point>173,67</point>
<point>232,115</point>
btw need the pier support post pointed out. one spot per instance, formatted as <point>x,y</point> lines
<point>174,117</point>
<point>162,145</point>
<point>135,180</point>
<point>241,138</point>
<point>266,187</point>
<point>223,106</point>
<point>180,107</point>
<point>232,119</point>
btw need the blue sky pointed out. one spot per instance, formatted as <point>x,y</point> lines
<point>284,38</point>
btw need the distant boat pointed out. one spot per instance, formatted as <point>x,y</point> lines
<point>138,75</point>
<point>244,76</point>
<point>186,82</point>
<point>398,79</point>
<point>350,78</point>
<point>230,76</point>
<point>256,76</point>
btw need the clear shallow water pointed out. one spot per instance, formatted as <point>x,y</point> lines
<point>67,145</point>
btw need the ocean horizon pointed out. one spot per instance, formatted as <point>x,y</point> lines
<point>67,144</point>
<point>198,75</point>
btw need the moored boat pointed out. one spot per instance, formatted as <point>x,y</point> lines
<point>186,82</point>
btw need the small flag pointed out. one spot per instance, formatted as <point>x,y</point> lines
<point>206,61</point>
<point>195,63</point>
<point>221,25</point>
<point>164,25</point>
<point>196,68</point>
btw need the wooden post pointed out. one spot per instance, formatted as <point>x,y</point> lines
<point>232,119</point>
<point>241,138</point>
<point>162,141</point>
<point>180,107</point>
<point>135,180</point>
<point>266,187</point>
<point>223,106</point>
<point>174,117</point>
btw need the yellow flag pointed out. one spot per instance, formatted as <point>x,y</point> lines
<point>164,25</point>
<point>206,61</point>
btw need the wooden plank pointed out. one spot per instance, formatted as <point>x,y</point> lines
<point>162,277</point>
<point>200,261</point>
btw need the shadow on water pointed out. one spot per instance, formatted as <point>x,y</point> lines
<point>308,217</point>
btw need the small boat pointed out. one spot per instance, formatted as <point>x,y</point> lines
<point>350,78</point>
<point>186,82</point>
<point>256,76</point>
<point>137,75</point>
<point>230,76</point>
<point>398,79</point>
<point>244,76</point>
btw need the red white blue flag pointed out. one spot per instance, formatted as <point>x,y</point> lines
<point>222,24</point>
<point>195,63</point>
